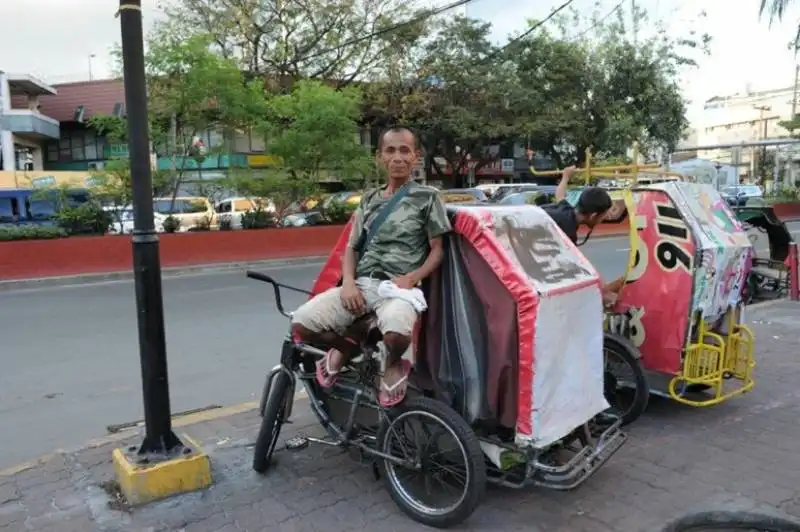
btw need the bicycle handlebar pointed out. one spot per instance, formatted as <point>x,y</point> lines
<point>276,287</point>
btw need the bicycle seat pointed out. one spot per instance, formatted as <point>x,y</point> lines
<point>365,330</point>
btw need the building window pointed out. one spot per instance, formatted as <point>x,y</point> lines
<point>76,146</point>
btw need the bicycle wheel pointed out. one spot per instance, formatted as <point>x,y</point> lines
<point>271,422</point>
<point>626,387</point>
<point>460,460</point>
<point>720,521</point>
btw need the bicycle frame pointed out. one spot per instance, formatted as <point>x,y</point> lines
<point>291,354</point>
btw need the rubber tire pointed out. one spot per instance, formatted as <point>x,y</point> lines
<point>271,423</point>
<point>731,520</point>
<point>628,353</point>
<point>477,466</point>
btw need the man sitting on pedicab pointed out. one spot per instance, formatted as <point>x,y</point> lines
<point>395,243</point>
<point>591,209</point>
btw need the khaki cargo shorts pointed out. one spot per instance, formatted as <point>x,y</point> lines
<point>325,312</point>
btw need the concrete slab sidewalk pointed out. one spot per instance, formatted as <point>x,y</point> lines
<point>677,458</point>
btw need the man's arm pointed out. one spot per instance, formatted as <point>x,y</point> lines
<point>561,191</point>
<point>430,265</point>
<point>615,285</point>
<point>438,225</point>
<point>349,259</point>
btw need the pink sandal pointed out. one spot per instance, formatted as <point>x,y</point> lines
<point>393,395</point>
<point>326,377</point>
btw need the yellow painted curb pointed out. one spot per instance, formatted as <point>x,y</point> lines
<point>177,422</point>
<point>148,482</point>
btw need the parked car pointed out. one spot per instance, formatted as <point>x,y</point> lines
<point>462,195</point>
<point>503,194</point>
<point>739,195</point>
<point>507,190</point>
<point>38,207</point>
<point>529,197</point>
<point>190,211</point>
<point>122,220</point>
<point>230,210</point>
<point>302,219</point>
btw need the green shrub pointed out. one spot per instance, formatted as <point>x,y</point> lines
<point>171,224</point>
<point>31,232</point>
<point>257,219</point>
<point>85,219</point>
<point>339,212</point>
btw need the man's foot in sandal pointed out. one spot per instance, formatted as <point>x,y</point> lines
<point>394,384</point>
<point>328,368</point>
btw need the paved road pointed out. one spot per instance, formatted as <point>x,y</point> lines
<point>738,456</point>
<point>70,363</point>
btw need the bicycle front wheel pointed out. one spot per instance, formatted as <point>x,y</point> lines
<point>272,420</point>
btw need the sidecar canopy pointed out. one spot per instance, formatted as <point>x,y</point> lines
<point>513,336</point>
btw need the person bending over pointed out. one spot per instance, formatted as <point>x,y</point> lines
<point>593,205</point>
<point>404,248</point>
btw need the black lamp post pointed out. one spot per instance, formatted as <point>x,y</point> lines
<point>159,438</point>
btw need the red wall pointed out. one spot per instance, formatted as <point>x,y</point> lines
<point>31,259</point>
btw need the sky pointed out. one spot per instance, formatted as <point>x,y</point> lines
<point>54,39</point>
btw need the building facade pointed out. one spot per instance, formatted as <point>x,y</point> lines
<point>24,126</point>
<point>59,137</point>
<point>746,117</point>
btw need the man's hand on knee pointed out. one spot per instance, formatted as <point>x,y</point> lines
<point>352,298</point>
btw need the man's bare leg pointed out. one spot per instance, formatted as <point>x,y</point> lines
<point>394,372</point>
<point>342,352</point>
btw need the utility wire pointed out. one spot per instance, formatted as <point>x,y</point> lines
<point>529,30</point>
<point>598,22</point>
<point>388,29</point>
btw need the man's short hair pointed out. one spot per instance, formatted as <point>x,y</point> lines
<point>594,200</point>
<point>399,129</point>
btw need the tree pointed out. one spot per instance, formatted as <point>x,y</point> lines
<point>296,39</point>
<point>455,93</point>
<point>313,131</point>
<point>262,186</point>
<point>776,9</point>
<point>604,90</point>
<point>113,186</point>
<point>191,89</point>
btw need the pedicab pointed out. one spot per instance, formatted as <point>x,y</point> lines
<point>681,303</point>
<point>775,253</point>
<point>508,368</point>
<point>678,315</point>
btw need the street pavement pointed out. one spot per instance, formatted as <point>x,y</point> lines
<point>70,360</point>
<point>676,458</point>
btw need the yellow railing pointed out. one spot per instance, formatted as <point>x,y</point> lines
<point>714,361</point>
<point>630,171</point>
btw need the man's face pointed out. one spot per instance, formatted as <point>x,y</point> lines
<point>594,219</point>
<point>398,154</point>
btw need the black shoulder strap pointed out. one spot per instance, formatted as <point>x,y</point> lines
<point>384,213</point>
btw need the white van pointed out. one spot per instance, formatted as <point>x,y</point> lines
<point>230,210</point>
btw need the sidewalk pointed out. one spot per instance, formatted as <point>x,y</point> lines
<point>675,458</point>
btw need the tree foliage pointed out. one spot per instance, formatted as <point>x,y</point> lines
<point>313,130</point>
<point>548,89</point>
<point>314,39</point>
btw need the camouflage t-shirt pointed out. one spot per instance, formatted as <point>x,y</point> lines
<point>401,244</point>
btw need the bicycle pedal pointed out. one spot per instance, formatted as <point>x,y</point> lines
<point>296,443</point>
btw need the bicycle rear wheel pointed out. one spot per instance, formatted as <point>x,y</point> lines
<point>626,387</point>
<point>458,459</point>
